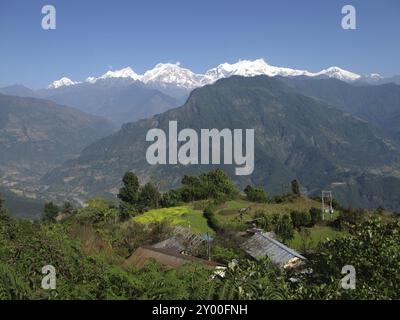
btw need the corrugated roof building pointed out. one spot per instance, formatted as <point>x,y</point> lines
<point>262,245</point>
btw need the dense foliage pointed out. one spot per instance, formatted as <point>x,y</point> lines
<point>255,194</point>
<point>88,248</point>
<point>214,184</point>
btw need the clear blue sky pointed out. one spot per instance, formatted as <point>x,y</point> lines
<point>92,36</point>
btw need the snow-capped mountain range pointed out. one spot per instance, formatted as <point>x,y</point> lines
<point>170,74</point>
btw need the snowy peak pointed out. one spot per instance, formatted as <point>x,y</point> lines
<point>172,74</point>
<point>373,77</point>
<point>63,82</point>
<point>248,68</point>
<point>123,73</point>
<point>338,73</point>
<point>167,75</point>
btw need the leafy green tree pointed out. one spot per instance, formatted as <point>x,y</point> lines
<point>349,217</point>
<point>51,211</point>
<point>372,248</point>
<point>212,221</point>
<point>68,208</point>
<point>129,192</point>
<point>12,286</point>
<point>149,197</point>
<point>129,195</point>
<point>170,198</point>
<point>263,220</point>
<point>98,210</point>
<point>316,215</point>
<point>300,219</point>
<point>3,210</point>
<point>252,280</point>
<point>214,184</point>
<point>127,210</point>
<point>284,227</point>
<point>295,187</point>
<point>256,194</point>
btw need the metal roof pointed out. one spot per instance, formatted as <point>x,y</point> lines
<point>182,239</point>
<point>261,245</point>
<point>173,243</point>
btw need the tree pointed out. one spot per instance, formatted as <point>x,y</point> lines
<point>214,184</point>
<point>212,222</point>
<point>99,210</point>
<point>3,210</point>
<point>256,194</point>
<point>51,211</point>
<point>295,187</point>
<point>68,208</point>
<point>284,227</point>
<point>300,219</point>
<point>130,191</point>
<point>316,215</point>
<point>171,198</point>
<point>263,220</point>
<point>349,217</point>
<point>128,194</point>
<point>149,197</point>
<point>373,248</point>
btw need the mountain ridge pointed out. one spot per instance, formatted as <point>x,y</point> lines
<point>297,136</point>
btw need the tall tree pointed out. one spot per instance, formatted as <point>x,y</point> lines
<point>50,212</point>
<point>3,210</point>
<point>129,193</point>
<point>149,197</point>
<point>295,187</point>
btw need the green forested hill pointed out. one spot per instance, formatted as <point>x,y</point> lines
<point>297,136</point>
<point>378,104</point>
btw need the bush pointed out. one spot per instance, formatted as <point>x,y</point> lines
<point>263,220</point>
<point>300,219</point>
<point>284,227</point>
<point>149,197</point>
<point>210,185</point>
<point>350,217</point>
<point>50,212</point>
<point>212,222</point>
<point>316,216</point>
<point>256,194</point>
<point>295,188</point>
<point>171,198</point>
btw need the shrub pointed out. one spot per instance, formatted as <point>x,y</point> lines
<point>256,194</point>
<point>316,215</point>
<point>300,219</point>
<point>284,227</point>
<point>212,222</point>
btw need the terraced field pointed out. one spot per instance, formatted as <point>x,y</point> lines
<point>183,215</point>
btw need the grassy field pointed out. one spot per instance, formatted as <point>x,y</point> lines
<point>182,215</point>
<point>304,242</point>
<point>227,213</point>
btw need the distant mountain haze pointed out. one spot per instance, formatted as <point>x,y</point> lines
<point>36,135</point>
<point>118,100</point>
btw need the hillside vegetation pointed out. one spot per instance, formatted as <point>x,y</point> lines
<point>89,246</point>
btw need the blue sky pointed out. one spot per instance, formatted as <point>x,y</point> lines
<point>93,36</point>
